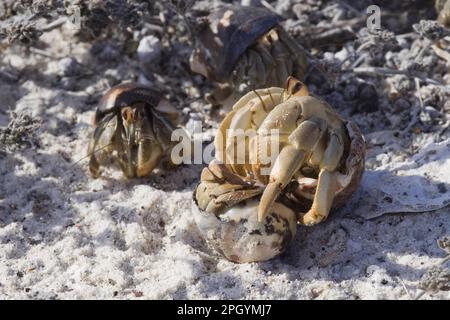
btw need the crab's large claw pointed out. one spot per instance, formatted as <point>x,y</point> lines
<point>301,143</point>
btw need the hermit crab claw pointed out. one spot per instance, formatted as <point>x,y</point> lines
<point>317,160</point>
<point>316,138</point>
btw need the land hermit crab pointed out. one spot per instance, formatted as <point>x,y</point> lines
<point>133,126</point>
<point>249,207</point>
<point>244,48</point>
<point>443,10</point>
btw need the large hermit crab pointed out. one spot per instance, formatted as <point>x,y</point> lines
<point>243,48</point>
<point>133,126</point>
<point>249,205</point>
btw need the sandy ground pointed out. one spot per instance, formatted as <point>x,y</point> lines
<point>65,235</point>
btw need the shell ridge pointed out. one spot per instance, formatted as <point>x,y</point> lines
<point>241,36</point>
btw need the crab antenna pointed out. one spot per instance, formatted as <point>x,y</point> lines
<point>282,95</point>
<point>260,99</point>
<point>270,95</point>
<point>90,154</point>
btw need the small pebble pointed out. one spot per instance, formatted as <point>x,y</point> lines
<point>106,52</point>
<point>70,67</point>
<point>342,55</point>
<point>251,3</point>
<point>149,49</point>
<point>432,112</point>
<point>351,91</point>
<point>429,114</point>
<point>9,74</point>
<point>401,104</point>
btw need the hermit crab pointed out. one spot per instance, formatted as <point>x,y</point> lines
<point>133,126</point>
<point>243,48</point>
<point>443,10</point>
<point>279,152</point>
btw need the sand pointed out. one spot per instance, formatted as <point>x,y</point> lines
<point>64,235</point>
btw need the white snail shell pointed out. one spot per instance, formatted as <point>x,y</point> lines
<point>239,236</point>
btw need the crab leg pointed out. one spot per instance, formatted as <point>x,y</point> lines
<point>94,164</point>
<point>323,199</point>
<point>256,70</point>
<point>149,153</point>
<point>281,71</point>
<point>149,150</point>
<point>220,189</point>
<point>326,186</point>
<point>100,143</point>
<point>239,132</point>
<point>300,144</point>
<point>227,195</point>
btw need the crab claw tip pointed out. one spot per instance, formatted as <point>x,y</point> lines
<point>267,199</point>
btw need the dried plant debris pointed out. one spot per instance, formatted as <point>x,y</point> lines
<point>329,66</point>
<point>23,32</point>
<point>431,30</point>
<point>435,279</point>
<point>19,133</point>
<point>26,20</point>
<point>376,41</point>
<point>444,244</point>
<point>102,18</point>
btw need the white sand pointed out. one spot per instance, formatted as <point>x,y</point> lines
<point>65,235</point>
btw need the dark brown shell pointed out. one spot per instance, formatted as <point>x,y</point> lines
<point>125,94</point>
<point>230,30</point>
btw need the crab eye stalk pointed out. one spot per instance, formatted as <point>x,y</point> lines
<point>295,87</point>
<point>129,125</point>
<point>127,115</point>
